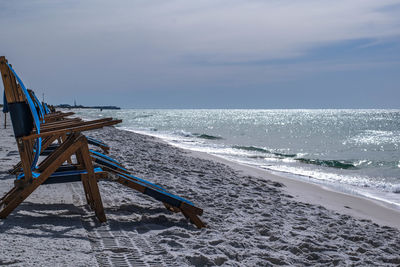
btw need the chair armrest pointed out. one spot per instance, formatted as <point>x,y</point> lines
<point>69,124</point>
<point>82,128</point>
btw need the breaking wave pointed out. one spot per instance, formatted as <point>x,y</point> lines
<point>262,150</point>
<point>340,164</point>
<point>207,136</point>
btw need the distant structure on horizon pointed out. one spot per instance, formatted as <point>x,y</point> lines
<point>85,107</point>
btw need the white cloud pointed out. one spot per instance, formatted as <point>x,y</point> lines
<point>220,30</point>
<point>155,43</point>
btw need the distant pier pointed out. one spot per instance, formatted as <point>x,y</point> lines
<point>86,107</point>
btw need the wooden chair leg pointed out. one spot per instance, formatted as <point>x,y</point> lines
<point>92,182</point>
<point>193,218</point>
<point>88,193</point>
<point>85,183</point>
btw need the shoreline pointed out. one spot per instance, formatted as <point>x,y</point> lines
<point>358,206</point>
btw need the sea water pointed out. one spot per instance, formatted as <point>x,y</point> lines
<point>352,151</point>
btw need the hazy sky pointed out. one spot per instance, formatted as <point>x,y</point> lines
<point>207,53</point>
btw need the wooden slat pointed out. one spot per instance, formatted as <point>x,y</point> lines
<point>69,124</point>
<point>58,122</point>
<point>73,129</point>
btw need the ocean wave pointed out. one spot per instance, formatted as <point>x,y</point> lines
<point>197,135</point>
<point>256,157</point>
<point>263,150</point>
<point>339,164</point>
<point>183,133</point>
<point>252,148</point>
<point>207,136</point>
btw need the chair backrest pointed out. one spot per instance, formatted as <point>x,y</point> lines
<point>22,109</point>
<point>46,108</point>
<point>38,105</point>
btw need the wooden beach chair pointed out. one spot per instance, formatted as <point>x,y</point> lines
<point>29,134</point>
<point>57,118</point>
<point>126,178</point>
<point>54,122</point>
<point>44,113</point>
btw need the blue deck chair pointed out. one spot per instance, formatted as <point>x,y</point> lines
<point>46,108</point>
<point>27,130</point>
<point>172,202</point>
<point>24,116</point>
<point>43,110</point>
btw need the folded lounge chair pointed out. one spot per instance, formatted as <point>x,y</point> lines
<point>27,130</point>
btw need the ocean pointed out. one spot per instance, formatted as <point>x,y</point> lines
<point>351,151</point>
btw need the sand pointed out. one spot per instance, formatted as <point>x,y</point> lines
<point>357,206</point>
<point>255,218</point>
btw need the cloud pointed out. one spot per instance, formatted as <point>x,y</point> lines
<point>95,45</point>
<point>219,30</point>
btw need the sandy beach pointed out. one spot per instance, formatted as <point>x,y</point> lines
<point>254,218</point>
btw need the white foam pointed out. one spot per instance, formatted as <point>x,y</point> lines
<point>354,184</point>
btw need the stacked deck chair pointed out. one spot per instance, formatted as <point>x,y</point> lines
<point>45,113</point>
<point>58,119</point>
<point>47,116</point>
<point>35,133</point>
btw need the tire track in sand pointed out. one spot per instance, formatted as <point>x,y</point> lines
<point>115,246</point>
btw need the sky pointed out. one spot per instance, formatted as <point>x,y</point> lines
<point>206,53</point>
